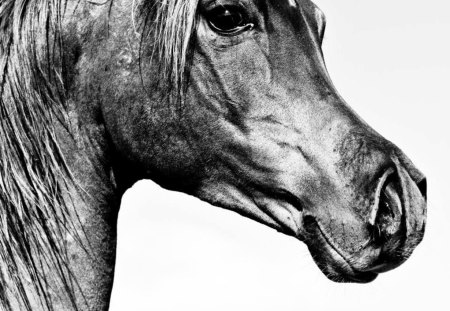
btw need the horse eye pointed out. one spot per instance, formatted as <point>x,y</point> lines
<point>228,20</point>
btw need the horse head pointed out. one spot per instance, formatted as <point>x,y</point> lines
<point>262,131</point>
<point>226,100</point>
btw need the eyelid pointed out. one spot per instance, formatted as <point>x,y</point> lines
<point>237,31</point>
<point>212,4</point>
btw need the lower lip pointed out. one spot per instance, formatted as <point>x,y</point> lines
<point>364,277</point>
<point>347,271</point>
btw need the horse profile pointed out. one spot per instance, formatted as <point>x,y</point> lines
<point>226,100</point>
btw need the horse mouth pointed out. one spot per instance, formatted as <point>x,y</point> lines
<point>332,262</point>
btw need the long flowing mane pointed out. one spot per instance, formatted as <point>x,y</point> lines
<point>35,213</point>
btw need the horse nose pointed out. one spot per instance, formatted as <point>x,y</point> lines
<point>388,210</point>
<point>397,217</point>
<point>386,215</point>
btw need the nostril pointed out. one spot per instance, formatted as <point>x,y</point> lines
<point>387,210</point>
<point>390,208</point>
<point>422,185</point>
<point>390,203</point>
<point>309,220</point>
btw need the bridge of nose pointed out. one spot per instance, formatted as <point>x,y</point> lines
<point>294,40</point>
<point>314,105</point>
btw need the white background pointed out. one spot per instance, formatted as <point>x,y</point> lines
<point>390,61</point>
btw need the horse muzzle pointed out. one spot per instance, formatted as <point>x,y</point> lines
<point>394,227</point>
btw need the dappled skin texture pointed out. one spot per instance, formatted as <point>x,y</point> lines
<point>261,131</point>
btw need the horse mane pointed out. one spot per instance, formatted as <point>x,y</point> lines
<point>36,216</point>
<point>169,25</point>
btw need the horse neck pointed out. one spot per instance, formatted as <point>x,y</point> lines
<point>91,158</point>
<point>96,203</point>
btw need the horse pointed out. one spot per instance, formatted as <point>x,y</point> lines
<point>226,100</point>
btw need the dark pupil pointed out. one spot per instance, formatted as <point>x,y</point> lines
<point>227,20</point>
